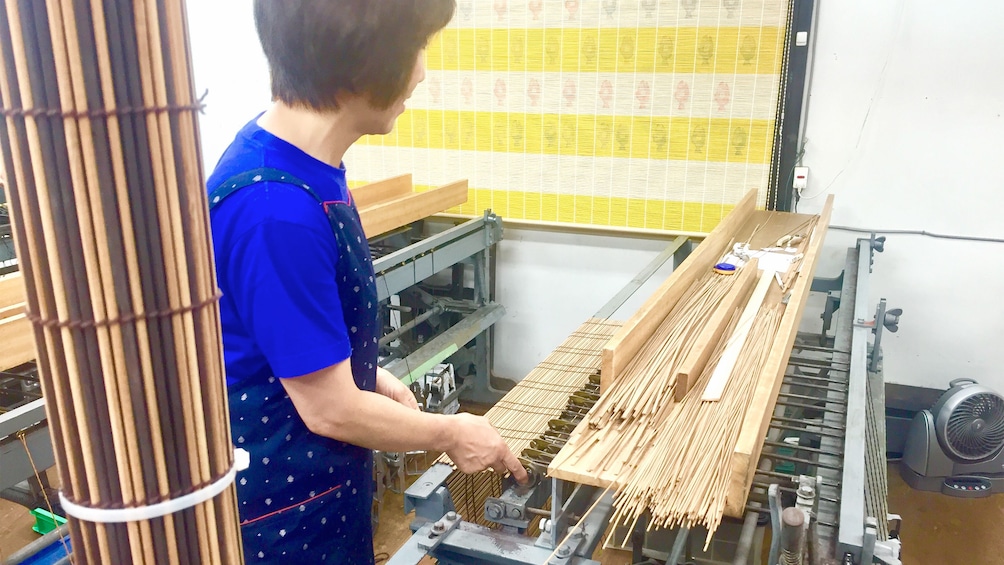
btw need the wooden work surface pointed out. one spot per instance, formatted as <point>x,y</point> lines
<point>746,431</point>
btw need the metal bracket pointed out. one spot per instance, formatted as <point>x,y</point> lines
<point>513,507</point>
<point>437,531</point>
<point>568,548</point>
<point>428,497</point>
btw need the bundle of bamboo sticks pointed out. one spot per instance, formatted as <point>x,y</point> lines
<point>624,420</point>
<point>683,478</point>
<point>100,151</point>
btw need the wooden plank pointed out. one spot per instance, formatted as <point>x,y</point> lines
<point>381,191</point>
<point>746,454</point>
<point>636,331</point>
<point>17,343</point>
<point>388,215</point>
<point>11,289</point>
<point>12,310</point>
<point>723,370</point>
<point>691,367</point>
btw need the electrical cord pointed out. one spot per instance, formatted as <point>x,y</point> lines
<point>920,232</point>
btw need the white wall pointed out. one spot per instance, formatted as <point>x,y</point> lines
<point>904,127</point>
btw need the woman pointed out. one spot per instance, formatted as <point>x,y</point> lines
<point>299,307</point>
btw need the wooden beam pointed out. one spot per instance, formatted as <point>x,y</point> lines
<point>636,331</point>
<point>411,207</point>
<point>723,370</point>
<point>746,454</point>
<point>11,290</point>
<point>17,341</point>
<point>691,367</point>
<point>381,191</point>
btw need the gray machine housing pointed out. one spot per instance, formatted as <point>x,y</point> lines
<point>928,466</point>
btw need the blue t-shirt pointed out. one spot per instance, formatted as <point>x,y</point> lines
<point>275,260</point>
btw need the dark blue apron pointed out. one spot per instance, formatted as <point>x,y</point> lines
<point>307,498</point>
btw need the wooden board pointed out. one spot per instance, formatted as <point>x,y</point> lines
<point>381,191</point>
<point>747,451</point>
<point>11,290</point>
<point>723,370</point>
<point>386,215</point>
<point>639,328</point>
<point>17,341</point>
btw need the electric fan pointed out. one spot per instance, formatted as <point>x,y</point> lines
<point>957,447</point>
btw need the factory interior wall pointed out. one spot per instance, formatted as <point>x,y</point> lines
<point>903,127</point>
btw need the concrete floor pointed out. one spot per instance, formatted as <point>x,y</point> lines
<point>941,530</point>
<point>937,529</point>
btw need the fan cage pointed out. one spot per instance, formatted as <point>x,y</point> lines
<point>975,428</point>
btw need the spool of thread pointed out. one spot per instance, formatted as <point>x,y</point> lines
<point>724,269</point>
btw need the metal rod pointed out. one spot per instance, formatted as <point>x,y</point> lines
<point>799,460</point>
<point>746,539</point>
<point>809,423</point>
<point>794,479</point>
<point>834,379</point>
<point>815,363</point>
<point>818,348</point>
<point>813,398</point>
<point>801,448</point>
<point>824,387</point>
<point>812,407</point>
<point>391,336</point>
<point>807,431</point>
<point>621,297</point>
<point>792,536</point>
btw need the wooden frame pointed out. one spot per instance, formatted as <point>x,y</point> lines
<point>389,204</point>
<point>746,454</point>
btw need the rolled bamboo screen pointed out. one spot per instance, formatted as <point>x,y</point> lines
<point>108,206</point>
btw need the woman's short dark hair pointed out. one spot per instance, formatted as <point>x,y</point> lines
<point>317,49</point>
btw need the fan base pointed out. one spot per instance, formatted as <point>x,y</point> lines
<point>961,486</point>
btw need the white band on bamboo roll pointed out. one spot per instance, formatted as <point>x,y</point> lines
<point>242,459</point>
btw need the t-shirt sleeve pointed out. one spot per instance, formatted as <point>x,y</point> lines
<point>282,280</point>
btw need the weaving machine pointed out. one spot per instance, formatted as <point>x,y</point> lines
<point>818,452</point>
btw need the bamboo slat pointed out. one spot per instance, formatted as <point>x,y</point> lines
<point>523,414</point>
<point>109,215</point>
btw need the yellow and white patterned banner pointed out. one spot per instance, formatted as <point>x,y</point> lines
<point>654,114</point>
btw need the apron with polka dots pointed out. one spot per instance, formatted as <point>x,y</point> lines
<point>307,498</point>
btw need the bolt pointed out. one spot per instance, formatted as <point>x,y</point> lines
<point>438,528</point>
<point>564,551</point>
<point>806,491</point>
<point>451,516</point>
<point>494,510</point>
<point>515,512</point>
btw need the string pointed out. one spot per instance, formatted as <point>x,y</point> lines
<point>21,436</point>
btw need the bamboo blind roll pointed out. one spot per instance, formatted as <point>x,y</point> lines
<point>109,214</point>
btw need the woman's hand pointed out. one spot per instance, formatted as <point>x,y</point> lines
<point>390,386</point>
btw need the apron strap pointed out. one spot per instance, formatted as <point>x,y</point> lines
<point>254,176</point>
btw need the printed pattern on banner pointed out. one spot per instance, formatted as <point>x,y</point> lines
<point>654,114</point>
